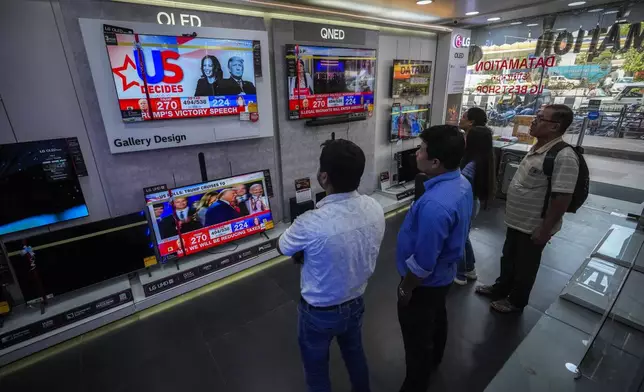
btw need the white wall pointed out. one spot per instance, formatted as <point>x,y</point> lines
<point>390,48</point>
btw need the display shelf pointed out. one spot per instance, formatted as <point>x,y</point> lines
<point>27,330</point>
<point>639,261</point>
<point>399,192</point>
<point>389,204</point>
<point>620,245</point>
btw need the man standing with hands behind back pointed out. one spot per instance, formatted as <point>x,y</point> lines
<point>431,242</point>
<point>340,240</point>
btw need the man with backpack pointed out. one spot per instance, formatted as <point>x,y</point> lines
<point>551,180</point>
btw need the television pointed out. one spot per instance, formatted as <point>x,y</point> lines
<point>408,121</point>
<point>73,258</point>
<point>194,218</point>
<point>39,185</point>
<point>168,77</point>
<point>327,81</point>
<point>406,164</point>
<point>411,78</point>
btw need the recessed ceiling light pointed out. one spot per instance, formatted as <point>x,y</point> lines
<point>472,13</point>
<point>611,12</point>
<point>493,19</point>
<point>596,10</point>
<point>562,29</point>
<point>516,23</point>
<point>532,24</point>
<point>576,3</point>
<point>423,2</point>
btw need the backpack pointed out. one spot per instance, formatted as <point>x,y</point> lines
<point>582,187</point>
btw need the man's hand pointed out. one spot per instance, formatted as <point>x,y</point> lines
<point>541,236</point>
<point>403,296</point>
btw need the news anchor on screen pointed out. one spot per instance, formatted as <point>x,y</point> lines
<point>235,85</point>
<point>305,80</point>
<point>224,209</point>
<point>211,76</point>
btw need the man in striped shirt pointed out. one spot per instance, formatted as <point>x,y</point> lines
<point>529,228</point>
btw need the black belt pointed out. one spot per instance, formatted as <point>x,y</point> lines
<point>323,308</point>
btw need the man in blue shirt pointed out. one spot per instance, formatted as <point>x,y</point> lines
<point>340,240</point>
<point>431,242</point>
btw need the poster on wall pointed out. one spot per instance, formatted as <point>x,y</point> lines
<point>161,77</point>
<point>453,109</point>
<point>325,81</point>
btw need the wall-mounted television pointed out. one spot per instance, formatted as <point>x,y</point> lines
<point>411,78</point>
<point>408,121</point>
<point>406,164</point>
<point>327,81</point>
<point>70,259</point>
<point>193,218</point>
<point>167,77</point>
<point>39,185</point>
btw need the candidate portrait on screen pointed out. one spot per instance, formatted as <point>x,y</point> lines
<point>211,76</point>
<point>235,85</point>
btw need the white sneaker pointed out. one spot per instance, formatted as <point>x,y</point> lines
<point>460,282</point>
<point>471,275</point>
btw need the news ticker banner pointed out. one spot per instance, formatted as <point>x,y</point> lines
<point>177,279</point>
<point>318,105</point>
<point>63,319</point>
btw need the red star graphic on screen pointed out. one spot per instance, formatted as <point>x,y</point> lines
<point>119,72</point>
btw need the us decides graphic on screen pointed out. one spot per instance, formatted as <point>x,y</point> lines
<point>166,77</point>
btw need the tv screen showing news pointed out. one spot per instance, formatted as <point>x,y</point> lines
<point>76,257</point>
<point>193,218</point>
<point>408,121</point>
<point>325,81</point>
<point>166,77</point>
<point>411,78</point>
<point>39,185</point>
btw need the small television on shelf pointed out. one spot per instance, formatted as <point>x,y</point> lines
<point>406,164</point>
<point>411,78</point>
<point>193,218</point>
<point>77,257</point>
<point>39,185</point>
<point>328,81</point>
<point>168,77</point>
<point>408,121</point>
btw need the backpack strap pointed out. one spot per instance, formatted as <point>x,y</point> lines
<point>548,168</point>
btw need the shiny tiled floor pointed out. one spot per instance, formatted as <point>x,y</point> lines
<point>242,337</point>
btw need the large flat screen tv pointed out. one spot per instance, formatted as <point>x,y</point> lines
<point>406,162</point>
<point>197,217</point>
<point>411,78</point>
<point>408,121</point>
<point>38,185</point>
<point>326,81</point>
<point>73,258</point>
<point>167,77</point>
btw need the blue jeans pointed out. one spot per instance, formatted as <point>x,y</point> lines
<point>316,330</point>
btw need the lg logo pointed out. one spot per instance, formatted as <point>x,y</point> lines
<point>461,42</point>
<point>328,33</point>
<point>458,55</point>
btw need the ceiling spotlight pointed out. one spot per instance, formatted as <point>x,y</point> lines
<point>532,24</point>
<point>611,12</point>
<point>472,13</point>
<point>516,23</point>
<point>576,3</point>
<point>562,29</point>
<point>596,10</point>
<point>423,2</point>
<point>493,19</point>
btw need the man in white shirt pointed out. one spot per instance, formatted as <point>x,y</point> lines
<point>340,241</point>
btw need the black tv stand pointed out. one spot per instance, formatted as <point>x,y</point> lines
<point>263,233</point>
<point>315,122</point>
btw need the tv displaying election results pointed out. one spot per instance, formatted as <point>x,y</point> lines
<point>411,78</point>
<point>166,77</point>
<point>189,219</point>
<point>326,81</point>
<point>39,185</point>
<point>408,121</point>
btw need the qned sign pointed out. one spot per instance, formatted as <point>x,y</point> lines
<point>313,32</point>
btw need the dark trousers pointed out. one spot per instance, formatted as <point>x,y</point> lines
<point>423,323</point>
<point>519,266</point>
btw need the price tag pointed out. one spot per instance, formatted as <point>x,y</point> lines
<point>4,307</point>
<point>150,261</point>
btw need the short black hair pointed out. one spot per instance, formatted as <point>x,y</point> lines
<point>477,116</point>
<point>561,114</point>
<point>445,143</point>
<point>343,161</point>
